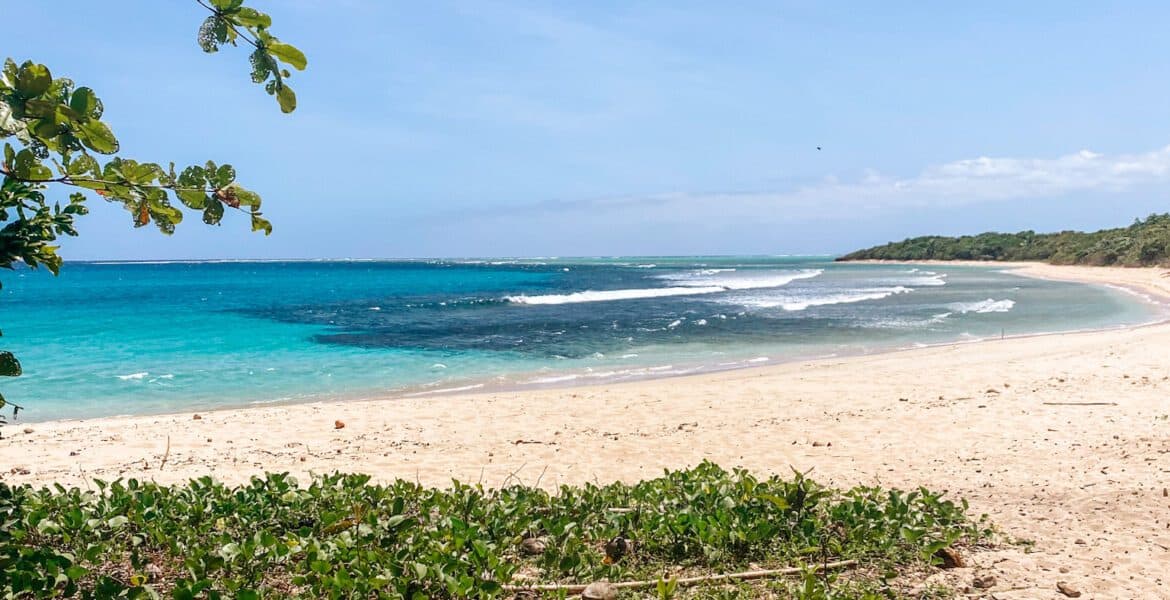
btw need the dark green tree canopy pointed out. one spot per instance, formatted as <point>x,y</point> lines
<point>1144,243</point>
<point>54,136</point>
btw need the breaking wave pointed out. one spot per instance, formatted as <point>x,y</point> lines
<point>984,306</point>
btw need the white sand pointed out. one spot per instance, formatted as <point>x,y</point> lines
<point>1086,484</point>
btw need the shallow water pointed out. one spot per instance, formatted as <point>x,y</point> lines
<point>132,338</point>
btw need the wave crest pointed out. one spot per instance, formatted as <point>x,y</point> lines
<point>984,306</point>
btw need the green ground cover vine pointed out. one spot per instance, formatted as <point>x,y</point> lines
<point>344,537</point>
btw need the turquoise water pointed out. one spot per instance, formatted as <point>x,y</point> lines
<point>133,338</point>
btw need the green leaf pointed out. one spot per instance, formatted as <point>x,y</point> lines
<point>286,98</point>
<point>251,17</point>
<point>195,199</point>
<point>28,166</point>
<point>289,54</point>
<point>9,366</point>
<point>32,79</point>
<point>86,102</point>
<point>246,197</point>
<point>82,165</point>
<point>226,5</point>
<point>97,136</point>
<point>262,224</point>
<point>213,214</point>
<point>223,176</point>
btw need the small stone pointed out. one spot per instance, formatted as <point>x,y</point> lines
<point>1165,492</point>
<point>339,424</point>
<point>1068,590</point>
<point>818,444</point>
<point>73,453</point>
<point>533,546</point>
<point>1080,542</point>
<point>600,590</point>
<point>1064,569</point>
<point>196,417</point>
<point>950,557</point>
<point>984,582</point>
<point>28,429</point>
<point>302,459</point>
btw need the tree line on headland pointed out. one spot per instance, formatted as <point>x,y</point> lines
<point>1144,243</point>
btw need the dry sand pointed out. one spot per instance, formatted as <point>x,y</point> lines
<point>1063,440</point>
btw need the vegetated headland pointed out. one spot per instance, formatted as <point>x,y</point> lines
<point>1145,243</point>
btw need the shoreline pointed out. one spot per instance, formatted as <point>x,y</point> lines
<point>1155,292</point>
<point>1062,439</point>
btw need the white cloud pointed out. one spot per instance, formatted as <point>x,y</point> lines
<point>961,182</point>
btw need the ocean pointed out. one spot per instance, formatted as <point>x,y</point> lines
<point>137,338</point>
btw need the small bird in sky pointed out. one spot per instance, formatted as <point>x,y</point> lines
<point>818,147</point>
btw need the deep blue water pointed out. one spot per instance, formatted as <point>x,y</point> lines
<point>130,338</point>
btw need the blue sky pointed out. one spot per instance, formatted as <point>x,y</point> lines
<point>583,128</point>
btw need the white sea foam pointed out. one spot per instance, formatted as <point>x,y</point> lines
<point>928,279</point>
<point>438,366</point>
<point>701,322</point>
<point>619,374</point>
<point>741,280</point>
<point>675,323</point>
<point>448,390</point>
<point>133,376</point>
<point>983,306</point>
<point>686,284</point>
<point>791,303</point>
<point>608,295</point>
<point>552,379</point>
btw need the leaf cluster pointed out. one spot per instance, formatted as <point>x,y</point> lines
<point>60,129</point>
<point>344,537</point>
<point>231,22</point>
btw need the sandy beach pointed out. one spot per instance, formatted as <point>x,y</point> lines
<point>1063,440</point>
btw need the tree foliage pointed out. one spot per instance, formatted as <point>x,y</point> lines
<point>1145,243</point>
<point>54,136</point>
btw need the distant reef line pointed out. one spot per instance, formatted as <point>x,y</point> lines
<point>1145,243</point>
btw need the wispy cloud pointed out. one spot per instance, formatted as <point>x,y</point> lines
<point>957,183</point>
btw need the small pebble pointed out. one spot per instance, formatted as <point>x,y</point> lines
<point>601,590</point>
<point>984,582</point>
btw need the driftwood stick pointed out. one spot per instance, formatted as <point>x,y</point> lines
<point>576,588</point>
<point>166,454</point>
<point>1080,404</point>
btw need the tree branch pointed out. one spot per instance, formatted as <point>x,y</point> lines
<point>77,181</point>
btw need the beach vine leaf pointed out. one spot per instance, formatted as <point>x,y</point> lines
<point>53,135</point>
